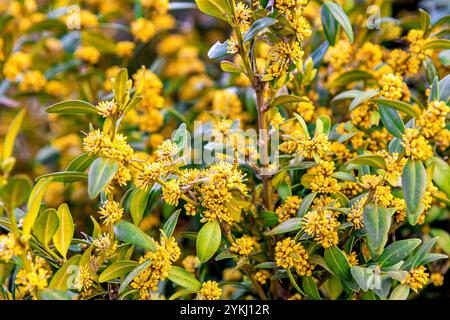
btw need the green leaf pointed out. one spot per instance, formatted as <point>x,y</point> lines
<point>415,261</point>
<point>134,102</point>
<point>400,292</point>
<point>425,21</point>
<point>434,94</point>
<point>430,257</point>
<point>414,185</point>
<point>80,163</point>
<point>65,176</point>
<point>46,225</point>
<point>133,274</point>
<point>171,223</point>
<point>17,190</point>
<point>129,233</point>
<point>34,203</point>
<point>290,225</point>
<point>63,278</point>
<point>63,236</point>
<point>284,190</point>
<point>341,18</point>
<point>305,204</point>
<point>397,251</point>
<point>302,124</point>
<point>391,120</point>
<point>72,107</point>
<point>102,171</point>
<point>310,288</point>
<point>217,8</point>
<point>257,27</point>
<point>377,221</point>
<point>362,276</point>
<point>11,134</point>
<point>441,175</point>
<point>52,294</point>
<point>180,137</point>
<point>121,93</point>
<point>182,293</point>
<point>218,50</point>
<point>266,265</point>
<point>284,99</point>
<point>338,263</point>
<point>330,25</point>
<point>116,270</point>
<point>138,203</point>
<point>443,239</point>
<point>444,57</point>
<point>437,44</point>
<point>208,240</point>
<point>183,278</point>
<point>369,160</point>
<point>228,66</point>
<point>351,76</point>
<point>398,105</point>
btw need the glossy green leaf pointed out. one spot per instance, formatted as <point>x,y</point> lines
<point>11,134</point>
<point>338,263</point>
<point>65,176</point>
<point>414,185</point>
<point>290,225</point>
<point>117,270</point>
<point>377,222</point>
<point>217,8</point>
<point>34,203</point>
<point>171,223</point>
<point>63,236</point>
<point>72,107</point>
<point>64,278</point>
<point>138,204</point>
<point>46,225</point>
<point>183,278</point>
<point>397,251</point>
<point>258,26</point>
<point>391,120</point>
<point>208,240</point>
<point>129,233</point>
<point>310,288</point>
<point>80,163</point>
<point>102,171</point>
<point>17,190</point>
<point>398,105</point>
<point>340,16</point>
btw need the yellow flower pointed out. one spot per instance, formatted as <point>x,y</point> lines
<point>159,6</point>
<point>111,212</point>
<point>370,55</point>
<point>32,81</point>
<point>190,263</point>
<point>209,291</point>
<point>29,282</point>
<point>103,244</point>
<point>166,252</point>
<point>322,225</point>
<point>391,86</point>
<point>400,209</point>
<point>9,247</point>
<point>300,24</point>
<point>352,258</point>
<point>88,53</point>
<point>243,246</point>
<point>84,279</point>
<point>289,208</point>
<point>262,276</point>
<point>56,88</point>
<point>361,116</point>
<point>149,175</point>
<point>355,215</point>
<point>118,149</point>
<point>394,165</point>
<point>289,254</point>
<point>286,5</point>
<point>416,278</point>
<point>432,120</point>
<point>16,64</point>
<point>437,279</point>
<point>143,29</point>
<point>171,192</point>
<point>125,48</point>
<point>305,109</point>
<point>166,151</point>
<point>339,55</point>
<point>415,145</point>
<point>107,108</point>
